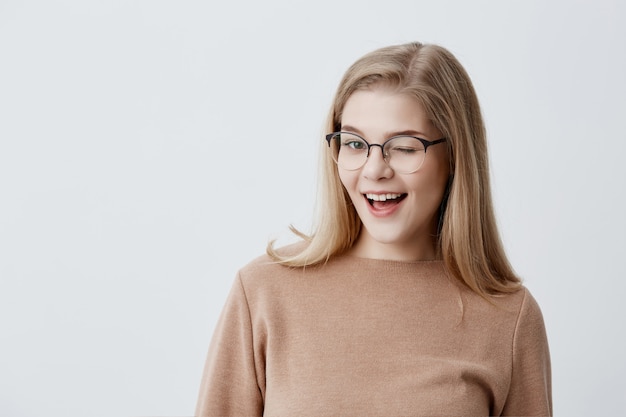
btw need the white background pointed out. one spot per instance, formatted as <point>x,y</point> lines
<point>148,149</point>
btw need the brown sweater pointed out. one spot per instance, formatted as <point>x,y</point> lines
<point>369,337</point>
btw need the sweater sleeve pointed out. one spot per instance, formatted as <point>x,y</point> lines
<point>229,384</point>
<point>530,393</point>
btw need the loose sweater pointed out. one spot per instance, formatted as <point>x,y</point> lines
<point>369,337</point>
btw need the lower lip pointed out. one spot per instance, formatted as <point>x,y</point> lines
<point>386,211</point>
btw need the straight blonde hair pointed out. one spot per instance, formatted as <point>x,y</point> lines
<point>468,241</point>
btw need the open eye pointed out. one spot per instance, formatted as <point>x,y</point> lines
<point>355,144</point>
<point>352,142</point>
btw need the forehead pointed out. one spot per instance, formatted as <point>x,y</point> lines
<point>379,112</point>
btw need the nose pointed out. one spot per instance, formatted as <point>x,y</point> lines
<point>376,167</point>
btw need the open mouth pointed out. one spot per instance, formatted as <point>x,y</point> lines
<point>384,200</point>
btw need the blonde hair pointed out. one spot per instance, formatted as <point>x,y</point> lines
<point>469,243</point>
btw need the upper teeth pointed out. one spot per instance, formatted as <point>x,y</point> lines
<point>382,197</point>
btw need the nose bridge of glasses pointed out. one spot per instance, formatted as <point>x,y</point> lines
<point>382,149</point>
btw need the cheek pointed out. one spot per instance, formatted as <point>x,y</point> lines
<point>349,180</point>
<point>436,173</point>
<point>429,186</point>
<point>346,179</point>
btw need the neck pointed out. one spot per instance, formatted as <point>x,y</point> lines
<point>418,251</point>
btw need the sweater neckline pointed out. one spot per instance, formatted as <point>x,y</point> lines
<point>389,265</point>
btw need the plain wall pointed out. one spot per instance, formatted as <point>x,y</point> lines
<point>148,149</point>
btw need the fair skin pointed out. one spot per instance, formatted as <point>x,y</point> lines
<point>402,228</point>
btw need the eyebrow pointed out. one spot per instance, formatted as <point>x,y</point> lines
<point>387,135</point>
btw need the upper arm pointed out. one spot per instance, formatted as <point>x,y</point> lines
<point>229,384</point>
<point>530,392</point>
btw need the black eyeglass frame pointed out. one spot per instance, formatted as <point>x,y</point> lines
<point>425,142</point>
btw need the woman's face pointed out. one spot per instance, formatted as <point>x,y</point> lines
<point>404,226</point>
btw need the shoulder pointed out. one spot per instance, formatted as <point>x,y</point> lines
<point>529,305</point>
<point>264,272</point>
<point>524,306</point>
<point>517,302</point>
<point>529,324</point>
<point>510,313</point>
<point>525,323</point>
<point>264,264</point>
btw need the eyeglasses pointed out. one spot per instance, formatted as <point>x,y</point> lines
<point>404,154</point>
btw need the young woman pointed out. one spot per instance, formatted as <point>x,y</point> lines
<point>401,302</point>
